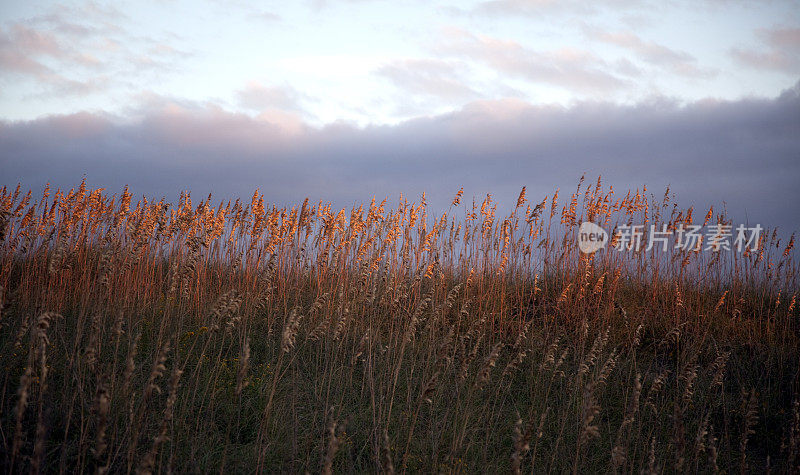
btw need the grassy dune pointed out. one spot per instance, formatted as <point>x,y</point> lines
<point>241,337</point>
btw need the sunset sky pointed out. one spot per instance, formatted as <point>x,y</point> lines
<point>343,100</point>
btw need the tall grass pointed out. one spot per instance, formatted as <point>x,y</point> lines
<point>246,337</point>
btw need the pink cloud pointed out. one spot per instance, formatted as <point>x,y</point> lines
<point>782,52</point>
<point>81,124</point>
<point>208,125</point>
<point>572,69</point>
<point>531,7</point>
<point>80,50</point>
<point>678,62</point>
<point>262,97</point>
<point>783,37</point>
<point>20,47</point>
<point>429,77</point>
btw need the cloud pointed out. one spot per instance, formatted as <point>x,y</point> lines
<point>538,8</point>
<point>437,78</point>
<point>25,52</point>
<point>678,62</point>
<point>261,97</point>
<point>267,17</point>
<point>79,50</point>
<point>741,155</point>
<point>20,48</point>
<point>79,21</point>
<point>573,69</point>
<point>583,8</point>
<point>782,52</point>
<point>200,125</point>
<point>532,7</point>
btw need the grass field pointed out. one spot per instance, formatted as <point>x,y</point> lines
<point>240,337</point>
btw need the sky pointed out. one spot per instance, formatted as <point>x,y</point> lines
<point>344,100</point>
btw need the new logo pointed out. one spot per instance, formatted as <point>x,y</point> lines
<point>591,237</point>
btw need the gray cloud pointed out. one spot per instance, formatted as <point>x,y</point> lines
<point>740,154</point>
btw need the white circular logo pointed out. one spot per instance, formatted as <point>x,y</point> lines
<point>591,237</point>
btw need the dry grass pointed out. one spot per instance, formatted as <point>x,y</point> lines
<point>149,337</point>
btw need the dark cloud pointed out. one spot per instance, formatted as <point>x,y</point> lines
<point>743,155</point>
